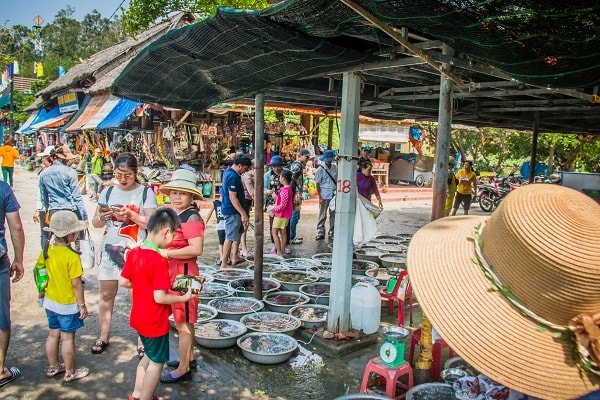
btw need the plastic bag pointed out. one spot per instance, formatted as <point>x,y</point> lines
<point>183,282</point>
<point>373,209</point>
<point>88,255</point>
<point>365,226</point>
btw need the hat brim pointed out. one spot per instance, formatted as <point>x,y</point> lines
<point>480,324</point>
<point>79,226</point>
<point>324,159</point>
<point>197,195</point>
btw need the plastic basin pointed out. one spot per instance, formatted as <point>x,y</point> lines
<point>244,287</point>
<point>318,292</point>
<point>268,321</point>
<point>218,333</point>
<point>267,347</point>
<point>235,308</point>
<point>311,315</point>
<point>292,280</point>
<point>282,302</point>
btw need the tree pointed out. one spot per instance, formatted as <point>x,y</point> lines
<point>144,13</point>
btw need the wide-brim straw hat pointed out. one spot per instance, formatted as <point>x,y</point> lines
<point>543,245</point>
<point>65,222</point>
<point>64,153</point>
<point>183,180</point>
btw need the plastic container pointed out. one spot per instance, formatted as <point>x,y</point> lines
<point>365,307</point>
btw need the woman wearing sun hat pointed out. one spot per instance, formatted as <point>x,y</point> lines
<point>187,245</point>
<point>517,294</point>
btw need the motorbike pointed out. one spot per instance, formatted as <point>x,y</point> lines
<point>491,194</point>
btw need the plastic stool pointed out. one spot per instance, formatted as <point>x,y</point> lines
<point>390,375</point>
<point>436,352</point>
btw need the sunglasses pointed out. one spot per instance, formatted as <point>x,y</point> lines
<point>124,176</point>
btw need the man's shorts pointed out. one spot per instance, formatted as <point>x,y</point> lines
<point>464,199</point>
<point>184,312</point>
<point>64,323</point>
<point>232,226</point>
<point>4,293</point>
<point>156,349</point>
<point>280,223</point>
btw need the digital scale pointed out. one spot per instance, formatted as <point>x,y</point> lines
<point>392,349</point>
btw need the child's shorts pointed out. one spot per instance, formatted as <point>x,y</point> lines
<point>65,323</point>
<point>156,349</point>
<point>280,223</point>
<point>221,235</point>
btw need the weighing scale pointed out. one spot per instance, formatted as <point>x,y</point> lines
<point>392,349</point>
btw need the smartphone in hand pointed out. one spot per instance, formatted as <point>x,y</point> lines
<point>104,207</point>
<point>116,207</point>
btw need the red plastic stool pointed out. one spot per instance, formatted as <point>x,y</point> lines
<point>436,352</point>
<point>390,375</point>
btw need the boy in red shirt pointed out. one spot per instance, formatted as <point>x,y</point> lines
<point>146,272</point>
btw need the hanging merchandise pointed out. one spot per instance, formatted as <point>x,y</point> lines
<point>161,151</point>
<point>146,150</point>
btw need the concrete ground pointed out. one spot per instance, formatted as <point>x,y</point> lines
<point>221,374</point>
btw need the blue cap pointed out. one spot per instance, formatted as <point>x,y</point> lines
<point>276,161</point>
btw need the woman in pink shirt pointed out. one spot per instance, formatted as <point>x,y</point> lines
<point>284,205</point>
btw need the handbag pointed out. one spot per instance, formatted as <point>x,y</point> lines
<point>86,248</point>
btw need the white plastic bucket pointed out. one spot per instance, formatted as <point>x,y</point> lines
<point>365,307</point>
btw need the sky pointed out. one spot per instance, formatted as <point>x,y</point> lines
<point>22,12</point>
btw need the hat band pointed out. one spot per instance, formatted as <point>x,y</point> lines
<point>581,327</point>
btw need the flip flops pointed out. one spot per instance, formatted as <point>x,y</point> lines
<point>239,261</point>
<point>54,370</point>
<point>101,345</point>
<point>77,374</point>
<point>14,374</point>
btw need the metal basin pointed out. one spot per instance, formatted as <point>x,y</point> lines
<point>381,274</point>
<point>292,280</point>
<point>311,315</point>
<point>268,321</point>
<point>267,258</point>
<point>282,302</point>
<point>215,290</point>
<point>205,313</point>
<point>318,292</point>
<point>393,260</point>
<point>218,333</point>
<point>324,258</point>
<point>235,308</point>
<point>431,391</point>
<point>229,274</point>
<point>269,268</point>
<point>369,254</point>
<point>267,347</point>
<point>302,263</point>
<point>360,267</point>
<point>244,287</point>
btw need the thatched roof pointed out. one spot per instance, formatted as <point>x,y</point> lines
<point>97,73</point>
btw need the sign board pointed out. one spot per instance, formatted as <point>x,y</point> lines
<point>383,133</point>
<point>67,101</point>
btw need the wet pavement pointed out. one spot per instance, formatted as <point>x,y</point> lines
<point>222,373</point>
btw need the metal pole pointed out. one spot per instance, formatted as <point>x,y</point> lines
<point>442,151</point>
<point>12,90</point>
<point>534,142</point>
<point>259,189</point>
<point>341,269</point>
<point>442,146</point>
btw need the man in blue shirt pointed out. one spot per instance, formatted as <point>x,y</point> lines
<point>9,212</point>
<point>232,198</point>
<point>59,187</point>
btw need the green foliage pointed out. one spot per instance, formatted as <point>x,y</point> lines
<point>144,13</point>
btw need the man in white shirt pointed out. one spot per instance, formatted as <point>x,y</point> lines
<point>326,180</point>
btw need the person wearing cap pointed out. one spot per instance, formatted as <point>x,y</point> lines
<point>515,294</point>
<point>59,187</point>
<point>187,245</point>
<point>232,197</point>
<point>9,212</point>
<point>94,177</point>
<point>452,184</point>
<point>366,185</point>
<point>9,154</point>
<point>297,168</point>
<point>64,298</point>
<point>326,181</point>
<point>272,187</point>
<point>467,185</point>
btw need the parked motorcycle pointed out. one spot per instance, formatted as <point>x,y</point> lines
<point>491,194</point>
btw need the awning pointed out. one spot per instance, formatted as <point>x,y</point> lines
<point>119,113</point>
<point>102,113</point>
<point>28,122</point>
<point>391,133</point>
<point>88,113</point>
<point>80,111</point>
<point>55,122</point>
<point>42,115</point>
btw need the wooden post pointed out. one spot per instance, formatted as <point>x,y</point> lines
<point>339,301</point>
<point>259,188</point>
<point>534,142</point>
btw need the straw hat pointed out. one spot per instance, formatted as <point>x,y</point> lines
<point>543,245</point>
<point>63,152</point>
<point>183,180</point>
<point>65,222</point>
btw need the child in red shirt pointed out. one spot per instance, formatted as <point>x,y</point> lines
<point>284,205</point>
<point>146,272</point>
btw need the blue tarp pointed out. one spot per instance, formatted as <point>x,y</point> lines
<point>540,169</point>
<point>5,100</point>
<point>42,115</point>
<point>118,114</point>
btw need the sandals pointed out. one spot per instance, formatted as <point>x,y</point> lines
<point>101,345</point>
<point>77,374</point>
<point>54,370</point>
<point>14,374</point>
<point>154,397</point>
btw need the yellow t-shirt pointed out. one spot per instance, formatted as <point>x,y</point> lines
<point>62,264</point>
<point>464,181</point>
<point>9,154</point>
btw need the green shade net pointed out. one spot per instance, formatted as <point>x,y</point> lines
<point>238,53</point>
